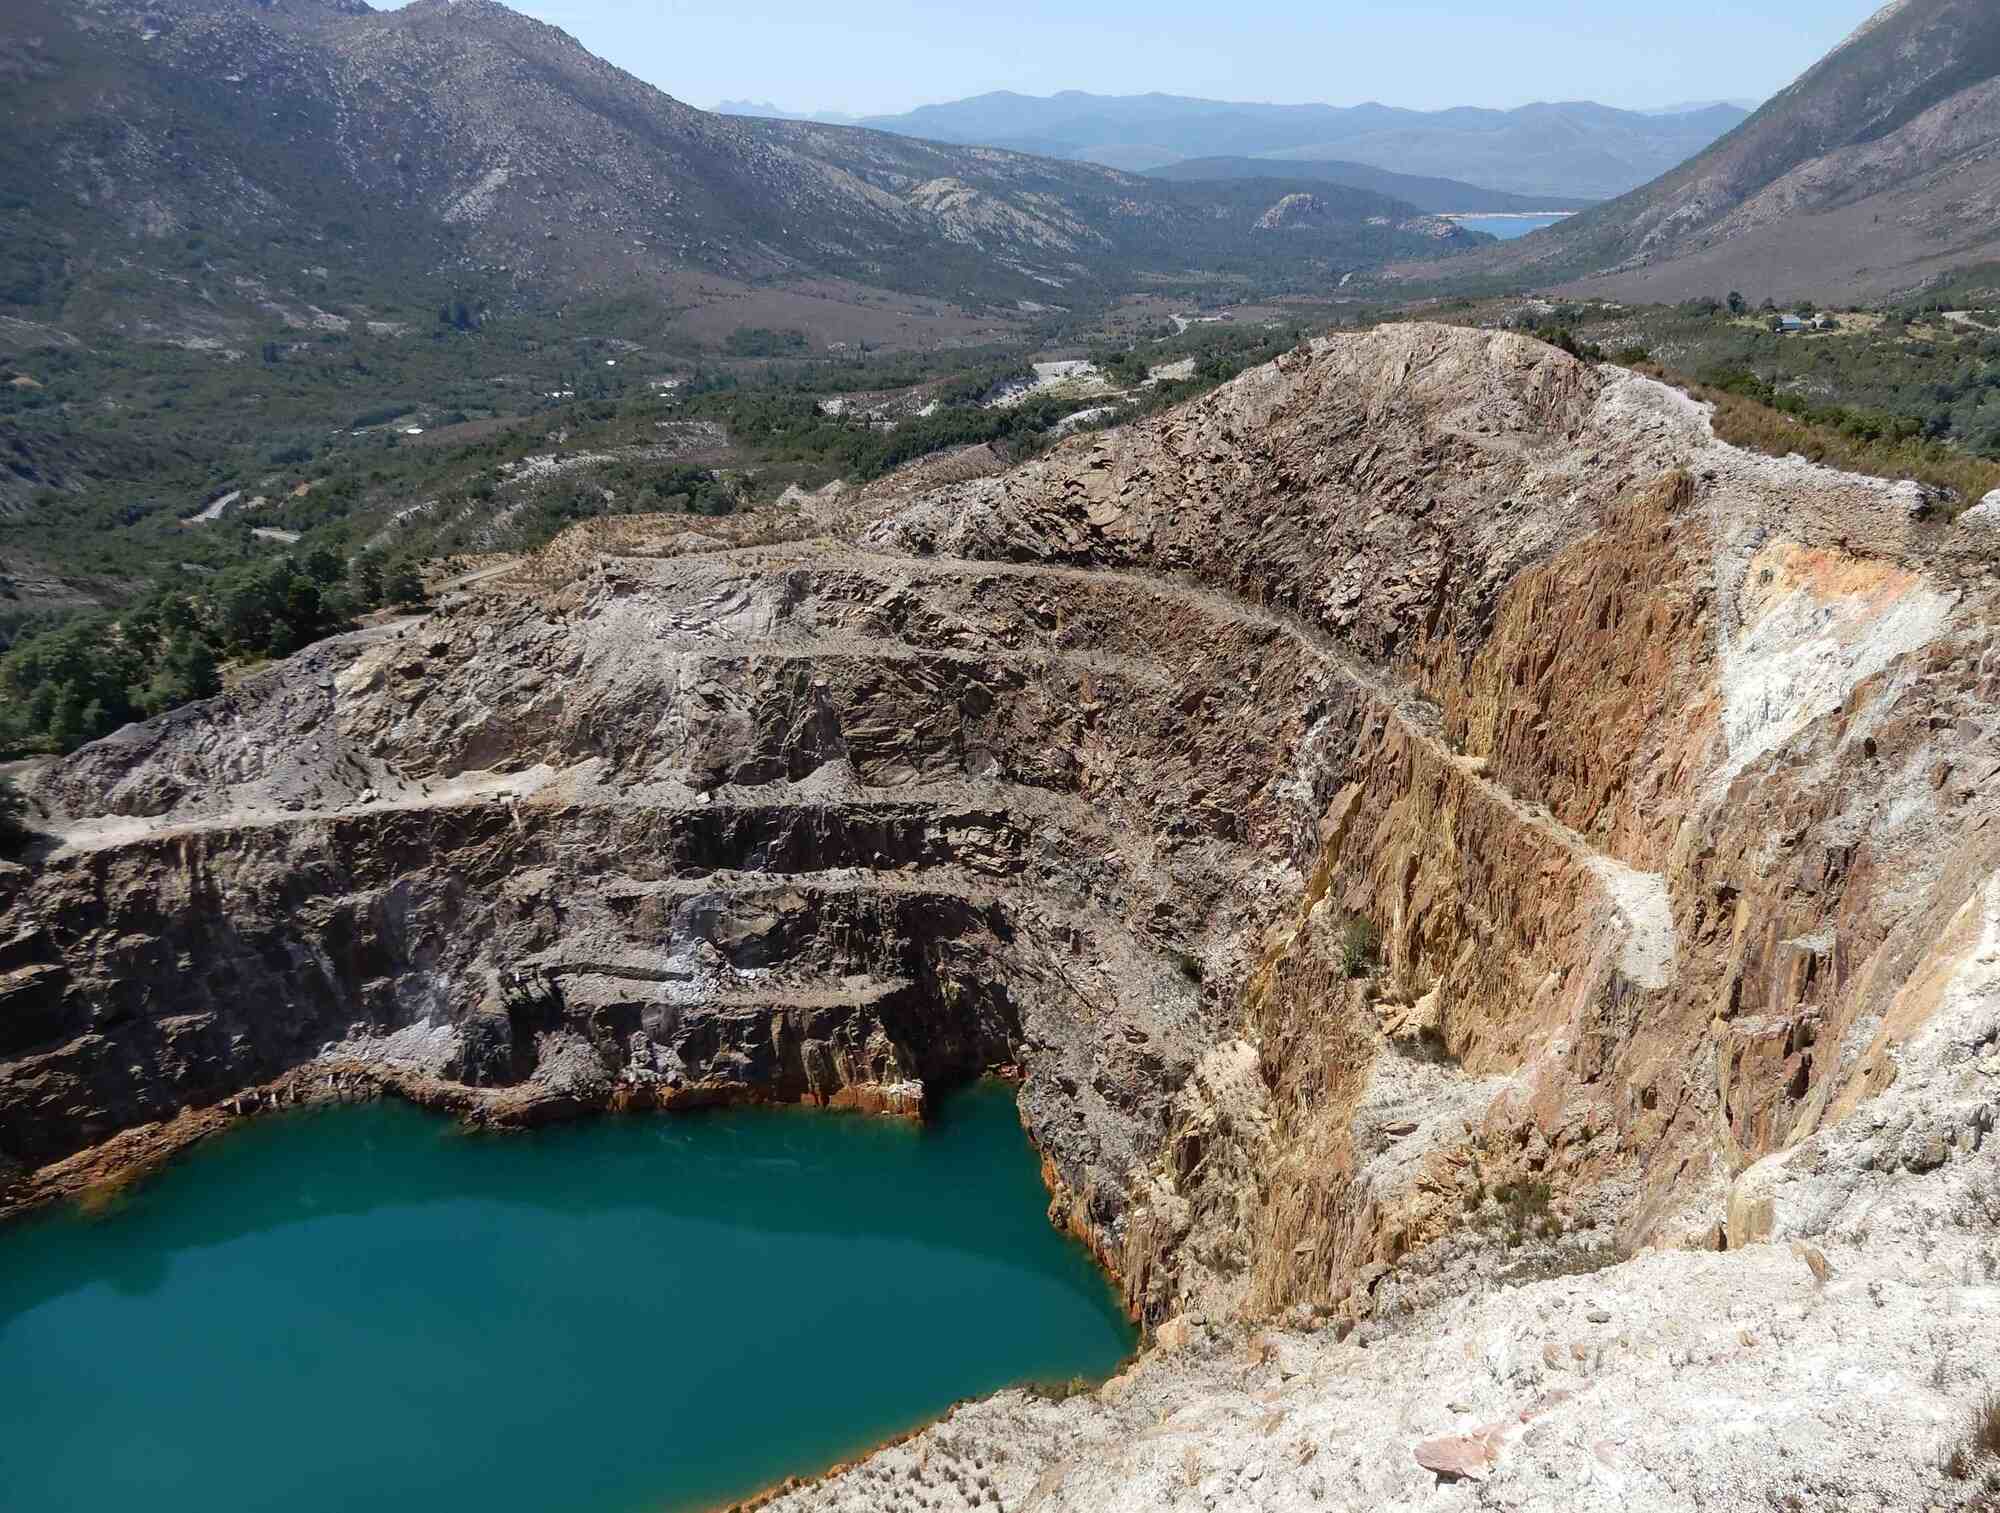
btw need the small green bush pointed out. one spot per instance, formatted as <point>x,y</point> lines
<point>1059,1390</point>
<point>1567,340</point>
<point>1360,946</point>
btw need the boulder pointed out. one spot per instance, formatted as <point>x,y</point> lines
<point>1460,1456</point>
<point>1985,514</point>
<point>1916,500</point>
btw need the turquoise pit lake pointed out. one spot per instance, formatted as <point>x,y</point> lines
<point>367,1307</point>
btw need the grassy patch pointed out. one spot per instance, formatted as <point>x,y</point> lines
<point>1360,947</point>
<point>1974,1453</point>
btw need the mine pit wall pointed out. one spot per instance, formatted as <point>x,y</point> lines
<point>1593,691</point>
<point>1829,883</point>
<point>1595,694</point>
<point>1495,937</point>
<point>180,971</point>
<point>379,919</point>
<point>1806,890</point>
<point>1490,921</point>
<point>1062,713</point>
<point>1525,632</point>
<point>1566,609</point>
<point>1592,698</point>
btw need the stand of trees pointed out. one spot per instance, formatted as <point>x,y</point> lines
<point>86,677</point>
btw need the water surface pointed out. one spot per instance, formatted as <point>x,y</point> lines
<point>364,1307</point>
<point>1507,227</point>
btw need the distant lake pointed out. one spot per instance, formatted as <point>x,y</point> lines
<point>1507,227</point>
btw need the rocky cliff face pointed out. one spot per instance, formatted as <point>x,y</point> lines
<point>1426,821</point>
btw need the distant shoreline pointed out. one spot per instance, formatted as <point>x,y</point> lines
<point>1505,215</point>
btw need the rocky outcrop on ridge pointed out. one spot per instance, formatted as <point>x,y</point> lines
<point>1479,880</point>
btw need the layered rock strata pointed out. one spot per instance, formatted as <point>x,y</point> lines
<point>1423,818</point>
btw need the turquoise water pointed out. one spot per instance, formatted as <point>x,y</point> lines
<point>1507,227</point>
<point>365,1308</point>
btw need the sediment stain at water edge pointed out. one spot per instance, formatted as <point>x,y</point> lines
<point>646,1313</point>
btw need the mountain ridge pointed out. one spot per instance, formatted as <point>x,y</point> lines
<point>209,149</point>
<point>1595,151</point>
<point>1877,169</point>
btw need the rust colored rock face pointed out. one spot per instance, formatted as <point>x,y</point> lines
<point>1425,797</point>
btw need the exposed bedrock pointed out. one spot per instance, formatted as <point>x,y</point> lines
<point>1425,815</point>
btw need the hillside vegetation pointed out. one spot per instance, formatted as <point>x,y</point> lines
<point>307,538</point>
<point>1911,391</point>
<point>210,169</point>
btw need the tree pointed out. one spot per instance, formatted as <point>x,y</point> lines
<point>69,719</point>
<point>367,575</point>
<point>1737,304</point>
<point>66,686</point>
<point>324,567</point>
<point>402,587</point>
<point>1563,337</point>
<point>185,673</point>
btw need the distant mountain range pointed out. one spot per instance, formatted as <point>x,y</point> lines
<point>765,110</point>
<point>220,170</point>
<point>1877,169</point>
<point>1689,107</point>
<point>1563,153</point>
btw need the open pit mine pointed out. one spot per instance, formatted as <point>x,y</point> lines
<point>1492,896</point>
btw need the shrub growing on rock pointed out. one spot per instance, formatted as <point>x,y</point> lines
<point>13,831</point>
<point>1360,946</point>
<point>1975,1454</point>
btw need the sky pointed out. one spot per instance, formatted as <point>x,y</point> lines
<point>885,56</point>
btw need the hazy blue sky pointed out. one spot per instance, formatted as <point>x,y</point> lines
<point>888,55</point>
